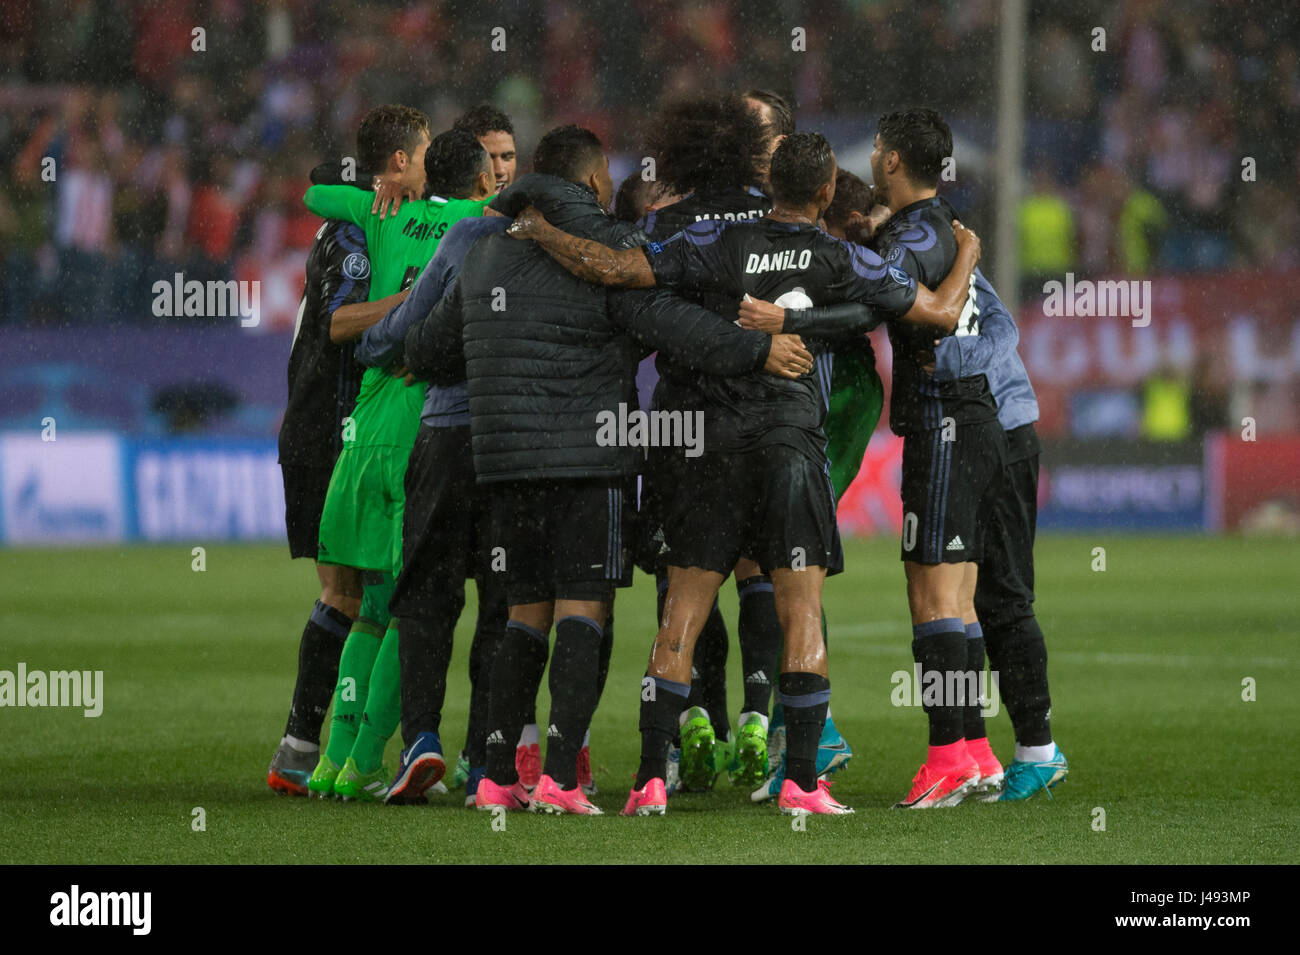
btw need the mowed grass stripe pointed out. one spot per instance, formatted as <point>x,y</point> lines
<point>1147,663</point>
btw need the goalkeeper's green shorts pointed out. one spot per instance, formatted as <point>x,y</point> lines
<point>361,524</point>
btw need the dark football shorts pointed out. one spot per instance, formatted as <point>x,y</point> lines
<point>560,540</point>
<point>948,486</point>
<point>773,505</point>
<point>444,522</point>
<point>304,499</point>
<point>1004,593</point>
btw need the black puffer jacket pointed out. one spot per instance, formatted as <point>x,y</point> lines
<point>544,352</point>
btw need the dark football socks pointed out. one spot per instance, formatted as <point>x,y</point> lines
<point>709,673</point>
<point>662,702</point>
<point>805,698</point>
<point>575,672</point>
<point>1018,655</point>
<point>318,671</point>
<point>939,646</point>
<point>759,632</point>
<point>972,719</point>
<point>516,659</point>
<point>488,629</point>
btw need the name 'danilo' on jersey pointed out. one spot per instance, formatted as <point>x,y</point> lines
<point>778,261</point>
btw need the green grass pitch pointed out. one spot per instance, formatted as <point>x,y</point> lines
<point>1147,662</point>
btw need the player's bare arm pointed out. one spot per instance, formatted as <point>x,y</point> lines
<point>350,322</point>
<point>941,309</point>
<point>588,260</point>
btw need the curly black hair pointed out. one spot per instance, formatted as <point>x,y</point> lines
<point>707,143</point>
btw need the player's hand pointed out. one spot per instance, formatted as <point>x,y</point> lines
<point>788,358</point>
<point>528,224</point>
<point>760,316</point>
<point>389,196</point>
<point>965,237</point>
<point>399,371</point>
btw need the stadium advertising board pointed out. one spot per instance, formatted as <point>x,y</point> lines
<point>1138,486</point>
<point>186,490</point>
<point>65,490</point>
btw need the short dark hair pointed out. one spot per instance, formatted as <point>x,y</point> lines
<point>851,195</point>
<point>922,139</point>
<point>633,194</point>
<point>568,152</point>
<point>453,162</point>
<point>800,166</point>
<point>483,119</point>
<point>707,142</point>
<point>782,111</point>
<point>386,129</point>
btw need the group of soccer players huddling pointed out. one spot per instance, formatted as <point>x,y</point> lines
<point>467,350</point>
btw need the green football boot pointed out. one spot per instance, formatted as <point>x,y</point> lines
<point>352,784</point>
<point>698,740</point>
<point>321,783</point>
<point>460,774</point>
<point>750,766</point>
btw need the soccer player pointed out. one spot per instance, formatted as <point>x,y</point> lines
<point>762,488</point>
<point>855,400</point>
<point>1002,609</point>
<point>361,525</point>
<point>543,365</point>
<point>323,383</point>
<point>709,150</point>
<point>442,519</point>
<point>954,452</point>
<point>496,133</point>
<point>776,114</point>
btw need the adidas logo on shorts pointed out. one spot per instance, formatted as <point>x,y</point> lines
<point>553,732</point>
<point>955,544</point>
<point>496,739</point>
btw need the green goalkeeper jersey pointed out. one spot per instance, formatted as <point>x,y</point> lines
<point>400,246</point>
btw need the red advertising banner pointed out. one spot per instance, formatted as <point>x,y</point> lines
<point>1242,328</point>
<point>1254,484</point>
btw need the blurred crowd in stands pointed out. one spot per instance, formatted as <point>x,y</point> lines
<point>177,151</point>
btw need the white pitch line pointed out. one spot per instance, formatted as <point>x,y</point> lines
<point>1070,656</point>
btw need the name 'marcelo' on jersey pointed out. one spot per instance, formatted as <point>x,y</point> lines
<point>323,376</point>
<point>919,240</point>
<point>793,265</point>
<point>737,204</point>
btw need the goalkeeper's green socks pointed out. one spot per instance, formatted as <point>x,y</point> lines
<point>355,665</point>
<point>383,710</point>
